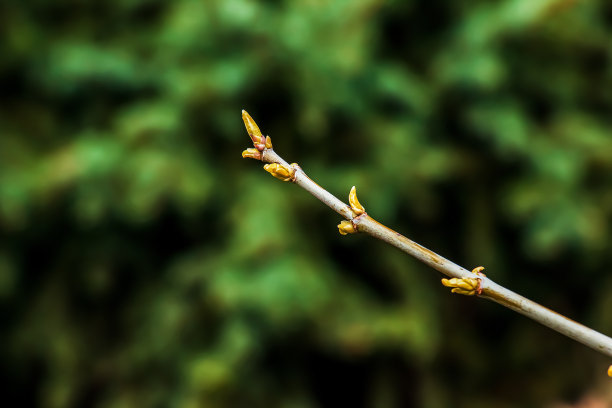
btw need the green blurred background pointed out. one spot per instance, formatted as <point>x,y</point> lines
<point>143,263</point>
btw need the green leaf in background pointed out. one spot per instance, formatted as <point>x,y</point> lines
<point>144,264</point>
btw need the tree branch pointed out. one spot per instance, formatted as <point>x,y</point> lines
<point>462,281</point>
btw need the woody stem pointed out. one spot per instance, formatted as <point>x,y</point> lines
<point>489,289</point>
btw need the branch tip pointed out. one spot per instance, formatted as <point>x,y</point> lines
<point>251,126</point>
<point>260,141</point>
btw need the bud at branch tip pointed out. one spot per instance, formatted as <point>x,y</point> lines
<point>260,141</point>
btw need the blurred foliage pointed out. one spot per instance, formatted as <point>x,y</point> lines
<point>144,264</point>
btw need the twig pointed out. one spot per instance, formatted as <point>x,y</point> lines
<point>462,281</point>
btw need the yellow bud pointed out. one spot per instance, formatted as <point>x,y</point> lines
<point>354,202</point>
<point>478,269</point>
<point>252,154</point>
<point>454,283</point>
<point>279,171</point>
<point>460,291</point>
<point>346,227</point>
<point>252,129</point>
<point>473,282</point>
<point>462,284</point>
<point>610,371</point>
<point>268,143</point>
<point>465,286</point>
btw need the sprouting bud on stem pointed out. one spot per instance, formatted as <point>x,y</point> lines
<point>354,202</point>
<point>346,227</point>
<point>465,286</point>
<point>279,171</point>
<point>478,270</point>
<point>610,371</point>
<point>251,154</point>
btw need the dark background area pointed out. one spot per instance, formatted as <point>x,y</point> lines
<point>143,263</point>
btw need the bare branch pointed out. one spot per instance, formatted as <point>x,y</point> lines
<point>462,281</point>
